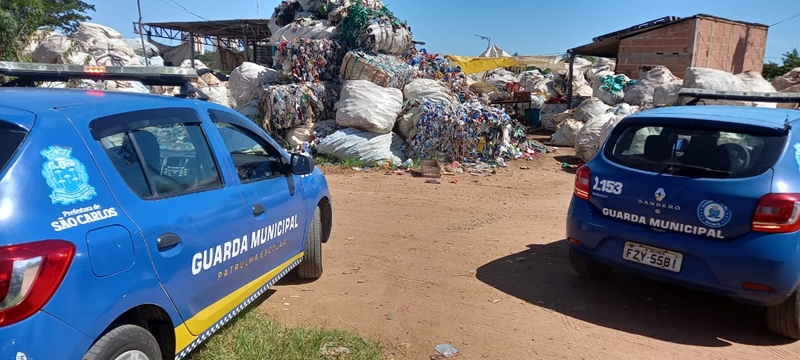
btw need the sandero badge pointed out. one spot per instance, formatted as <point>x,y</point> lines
<point>660,194</point>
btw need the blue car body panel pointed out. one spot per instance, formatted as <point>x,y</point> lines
<point>667,212</point>
<point>118,265</point>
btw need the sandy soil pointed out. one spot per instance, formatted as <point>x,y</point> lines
<point>482,264</point>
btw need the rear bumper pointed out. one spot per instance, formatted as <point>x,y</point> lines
<point>719,267</point>
<point>42,336</point>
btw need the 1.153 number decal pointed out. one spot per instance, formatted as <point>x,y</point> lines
<point>607,186</point>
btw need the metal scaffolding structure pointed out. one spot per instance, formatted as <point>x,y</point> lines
<point>233,34</point>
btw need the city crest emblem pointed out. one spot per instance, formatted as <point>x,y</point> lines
<point>66,176</point>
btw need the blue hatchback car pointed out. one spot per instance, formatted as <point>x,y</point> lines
<point>133,226</point>
<point>706,197</point>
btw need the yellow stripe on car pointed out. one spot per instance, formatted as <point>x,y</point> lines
<point>215,315</point>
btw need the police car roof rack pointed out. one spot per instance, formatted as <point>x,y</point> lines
<point>28,74</point>
<point>697,95</point>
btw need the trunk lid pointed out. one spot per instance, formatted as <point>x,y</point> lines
<point>697,178</point>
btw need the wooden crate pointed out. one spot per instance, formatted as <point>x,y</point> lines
<point>522,95</point>
<point>430,169</point>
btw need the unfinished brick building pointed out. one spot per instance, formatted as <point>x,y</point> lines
<point>677,43</point>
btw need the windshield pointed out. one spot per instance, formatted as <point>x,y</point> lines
<point>11,138</point>
<point>705,152</point>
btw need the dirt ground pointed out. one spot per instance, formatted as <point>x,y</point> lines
<point>482,264</point>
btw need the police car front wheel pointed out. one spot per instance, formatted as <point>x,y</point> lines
<point>126,342</point>
<point>311,266</point>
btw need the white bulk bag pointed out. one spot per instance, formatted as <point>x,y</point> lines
<point>366,106</point>
<point>364,146</point>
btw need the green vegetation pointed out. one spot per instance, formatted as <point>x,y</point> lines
<point>350,162</point>
<point>20,21</point>
<point>254,336</point>
<point>790,60</point>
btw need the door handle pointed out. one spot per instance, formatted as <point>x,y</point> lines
<point>258,210</point>
<point>167,241</point>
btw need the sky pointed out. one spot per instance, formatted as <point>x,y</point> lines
<point>528,27</point>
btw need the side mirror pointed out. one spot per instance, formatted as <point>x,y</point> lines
<point>302,164</point>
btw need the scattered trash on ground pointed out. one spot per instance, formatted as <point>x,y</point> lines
<point>331,350</point>
<point>447,350</point>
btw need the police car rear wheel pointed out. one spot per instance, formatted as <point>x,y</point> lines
<point>784,318</point>
<point>126,342</point>
<point>311,267</point>
<point>586,267</point>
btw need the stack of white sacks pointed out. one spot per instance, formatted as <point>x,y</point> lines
<point>95,44</point>
<point>586,127</point>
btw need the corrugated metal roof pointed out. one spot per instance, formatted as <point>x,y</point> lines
<point>255,29</point>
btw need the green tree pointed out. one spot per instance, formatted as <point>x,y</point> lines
<point>209,58</point>
<point>20,21</point>
<point>790,60</point>
<point>593,59</point>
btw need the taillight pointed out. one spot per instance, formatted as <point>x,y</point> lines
<point>777,213</point>
<point>29,276</point>
<point>582,181</point>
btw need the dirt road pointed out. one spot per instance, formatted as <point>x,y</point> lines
<point>482,264</point>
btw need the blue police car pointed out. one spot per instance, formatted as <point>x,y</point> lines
<point>133,226</point>
<point>706,197</point>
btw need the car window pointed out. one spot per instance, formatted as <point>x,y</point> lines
<point>160,156</point>
<point>255,158</point>
<point>11,138</point>
<point>693,151</point>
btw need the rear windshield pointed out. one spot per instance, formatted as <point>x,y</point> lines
<point>11,137</point>
<point>700,152</point>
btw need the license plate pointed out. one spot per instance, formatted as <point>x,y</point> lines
<point>655,257</point>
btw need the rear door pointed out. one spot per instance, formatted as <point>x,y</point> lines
<point>273,195</point>
<point>160,166</point>
<point>697,178</point>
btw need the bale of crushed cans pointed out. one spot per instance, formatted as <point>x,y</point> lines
<point>290,105</point>
<point>309,59</point>
<point>470,130</point>
<point>432,66</point>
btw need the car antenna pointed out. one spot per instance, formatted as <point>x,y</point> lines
<point>786,124</point>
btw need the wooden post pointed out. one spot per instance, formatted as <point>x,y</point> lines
<point>245,43</point>
<point>141,34</point>
<point>570,76</point>
<point>191,41</point>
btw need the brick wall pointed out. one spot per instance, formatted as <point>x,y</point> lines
<point>719,44</point>
<point>669,46</point>
<point>729,46</point>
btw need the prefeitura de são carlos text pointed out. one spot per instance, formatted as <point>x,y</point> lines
<point>664,224</point>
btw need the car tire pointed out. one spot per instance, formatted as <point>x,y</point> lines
<point>784,318</point>
<point>586,267</point>
<point>311,266</point>
<point>125,340</point>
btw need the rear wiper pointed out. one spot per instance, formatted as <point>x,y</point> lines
<point>699,169</point>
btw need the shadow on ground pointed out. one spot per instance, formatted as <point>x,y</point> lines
<point>293,278</point>
<point>572,161</point>
<point>543,277</point>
